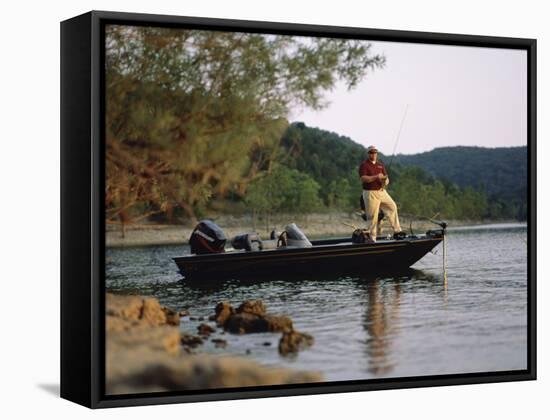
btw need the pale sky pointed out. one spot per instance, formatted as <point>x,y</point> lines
<point>466,96</point>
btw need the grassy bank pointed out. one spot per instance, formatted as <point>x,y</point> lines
<point>314,226</point>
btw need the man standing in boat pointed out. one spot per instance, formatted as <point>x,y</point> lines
<point>375,178</point>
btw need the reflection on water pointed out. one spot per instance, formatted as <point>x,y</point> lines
<point>403,324</point>
<point>381,324</point>
<point>381,320</point>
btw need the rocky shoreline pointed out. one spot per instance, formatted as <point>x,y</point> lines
<point>146,351</point>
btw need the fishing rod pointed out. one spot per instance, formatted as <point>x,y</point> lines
<point>395,144</point>
<point>350,225</point>
<point>432,219</point>
<point>442,224</point>
<point>398,135</point>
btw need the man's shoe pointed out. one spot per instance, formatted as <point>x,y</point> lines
<point>399,235</point>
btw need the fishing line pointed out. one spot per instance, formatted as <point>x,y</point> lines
<point>398,134</point>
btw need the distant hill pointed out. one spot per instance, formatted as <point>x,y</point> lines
<point>332,160</point>
<point>322,154</point>
<point>495,170</point>
<point>499,172</point>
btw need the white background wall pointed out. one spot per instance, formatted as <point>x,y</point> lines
<point>29,210</point>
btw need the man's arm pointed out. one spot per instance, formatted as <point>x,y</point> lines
<point>371,178</point>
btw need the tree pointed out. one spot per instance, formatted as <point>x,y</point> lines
<point>269,193</point>
<point>283,190</point>
<point>338,194</point>
<point>303,197</point>
<point>193,114</point>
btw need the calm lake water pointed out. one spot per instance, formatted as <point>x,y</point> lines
<point>365,328</point>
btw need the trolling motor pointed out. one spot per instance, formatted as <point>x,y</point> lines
<point>436,232</point>
<point>439,233</point>
<point>440,223</point>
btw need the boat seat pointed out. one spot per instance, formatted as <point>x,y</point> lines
<point>268,244</point>
<point>295,237</point>
<point>252,242</point>
<point>248,241</point>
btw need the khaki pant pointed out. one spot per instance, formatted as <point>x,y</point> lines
<point>376,200</point>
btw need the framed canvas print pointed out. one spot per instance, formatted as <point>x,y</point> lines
<point>255,209</point>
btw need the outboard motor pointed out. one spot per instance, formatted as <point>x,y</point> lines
<point>207,238</point>
<point>248,241</point>
<point>295,237</point>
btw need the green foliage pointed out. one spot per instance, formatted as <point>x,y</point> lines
<point>330,159</point>
<point>283,190</point>
<point>501,173</point>
<point>339,194</point>
<point>192,114</point>
<point>419,194</point>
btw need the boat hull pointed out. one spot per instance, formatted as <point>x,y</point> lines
<point>325,256</point>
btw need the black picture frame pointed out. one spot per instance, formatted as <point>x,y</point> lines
<point>82,208</point>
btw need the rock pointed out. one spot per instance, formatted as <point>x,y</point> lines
<point>294,341</point>
<point>134,322</point>
<point>191,340</point>
<point>172,317</point>
<point>223,311</point>
<point>161,338</point>
<point>278,323</point>
<point>143,355</point>
<point>219,342</point>
<point>248,323</point>
<point>250,317</point>
<point>125,307</point>
<point>152,312</point>
<point>205,329</point>
<point>145,310</point>
<point>117,324</point>
<point>256,307</point>
<point>144,372</point>
<point>245,323</point>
